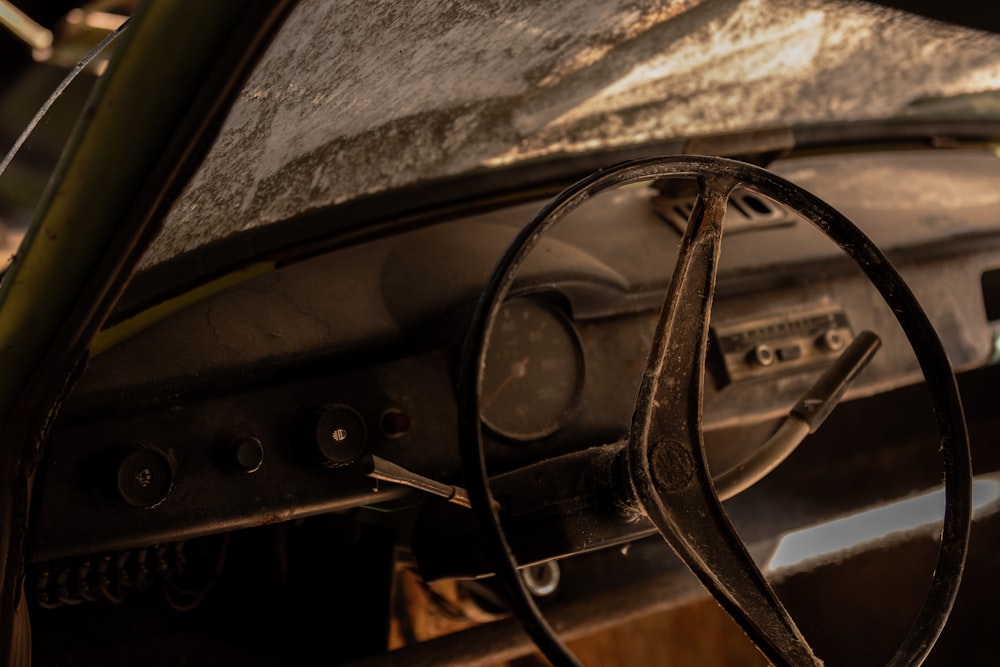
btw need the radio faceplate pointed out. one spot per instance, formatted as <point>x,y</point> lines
<point>769,346</point>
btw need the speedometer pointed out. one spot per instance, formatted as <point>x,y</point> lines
<point>533,371</point>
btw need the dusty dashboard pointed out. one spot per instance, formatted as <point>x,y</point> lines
<point>219,415</point>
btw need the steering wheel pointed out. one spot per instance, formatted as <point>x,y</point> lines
<point>668,479</point>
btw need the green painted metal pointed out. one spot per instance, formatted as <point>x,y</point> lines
<point>159,65</point>
<point>112,176</point>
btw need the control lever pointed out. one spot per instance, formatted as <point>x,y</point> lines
<point>387,471</point>
<point>807,416</point>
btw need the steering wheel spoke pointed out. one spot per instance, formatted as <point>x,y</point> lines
<point>670,403</point>
<point>667,467</point>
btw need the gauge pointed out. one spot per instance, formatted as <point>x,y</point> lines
<point>533,371</point>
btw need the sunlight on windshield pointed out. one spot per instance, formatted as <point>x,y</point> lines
<point>382,99</point>
<point>765,64</point>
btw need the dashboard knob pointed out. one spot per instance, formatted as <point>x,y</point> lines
<point>832,341</point>
<point>762,355</point>
<point>145,477</point>
<point>340,435</point>
<point>247,454</point>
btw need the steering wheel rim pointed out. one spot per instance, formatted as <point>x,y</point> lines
<point>931,356</point>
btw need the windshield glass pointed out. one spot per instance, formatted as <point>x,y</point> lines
<point>357,98</point>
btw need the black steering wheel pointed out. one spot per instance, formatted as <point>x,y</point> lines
<point>664,460</point>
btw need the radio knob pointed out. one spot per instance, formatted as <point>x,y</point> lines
<point>832,341</point>
<point>762,355</point>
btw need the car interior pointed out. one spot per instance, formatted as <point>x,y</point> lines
<point>546,363</point>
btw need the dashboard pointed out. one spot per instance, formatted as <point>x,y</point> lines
<point>257,403</point>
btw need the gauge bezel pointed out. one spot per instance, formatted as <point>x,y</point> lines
<point>549,305</point>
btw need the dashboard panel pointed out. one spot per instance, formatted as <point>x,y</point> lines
<point>217,415</point>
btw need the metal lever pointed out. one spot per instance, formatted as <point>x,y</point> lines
<point>807,416</point>
<point>387,471</point>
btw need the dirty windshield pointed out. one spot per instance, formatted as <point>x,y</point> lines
<point>354,99</point>
<point>360,98</point>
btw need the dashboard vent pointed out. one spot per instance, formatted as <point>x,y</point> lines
<point>747,211</point>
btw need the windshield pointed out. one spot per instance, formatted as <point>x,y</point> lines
<point>354,99</point>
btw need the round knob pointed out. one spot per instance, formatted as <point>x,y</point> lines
<point>145,477</point>
<point>247,454</point>
<point>762,355</point>
<point>832,341</point>
<point>340,435</point>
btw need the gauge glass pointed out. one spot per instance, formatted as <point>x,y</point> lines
<point>533,372</point>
